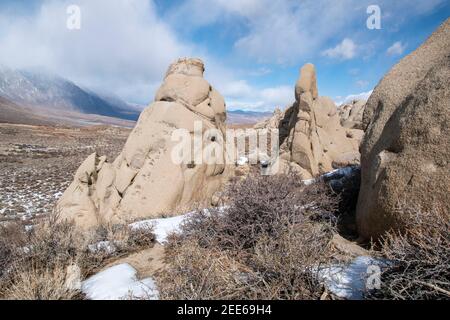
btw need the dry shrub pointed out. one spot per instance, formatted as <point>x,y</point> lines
<point>275,229</point>
<point>284,264</point>
<point>200,273</point>
<point>418,258</point>
<point>142,237</point>
<point>36,265</point>
<point>347,187</point>
<point>120,238</point>
<point>124,238</point>
<point>33,264</point>
<point>41,284</point>
<point>12,236</point>
<point>261,205</point>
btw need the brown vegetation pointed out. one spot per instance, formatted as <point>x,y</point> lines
<point>418,258</point>
<point>265,246</point>
<point>33,264</point>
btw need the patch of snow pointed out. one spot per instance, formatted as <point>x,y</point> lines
<point>242,161</point>
<point>162,227</point>
<point>26,249</point>
<point>57,195</point>
<point>308,182</point>
<point>349,281</point>
<point>102,246</point>
<point>119,282</point>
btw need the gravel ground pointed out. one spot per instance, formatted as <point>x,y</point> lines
<point>37,163</point>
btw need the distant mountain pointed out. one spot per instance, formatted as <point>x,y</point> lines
<point>34,97</point>
<point>11,112</point>
<point>42,90</point>
<point>246,117</point>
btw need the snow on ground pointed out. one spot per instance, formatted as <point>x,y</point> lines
<point>119,282</point>
<point>102,246</point>
<point>162,227</point>
<point>349,281</point>
<point>242,161</point>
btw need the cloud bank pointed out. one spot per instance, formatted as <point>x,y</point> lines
<point>125,46</point>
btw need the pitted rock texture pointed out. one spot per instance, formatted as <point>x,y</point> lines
<point>351,114</point>
<point>144,180</point>
<point>311,136</point>
<point>406,148</point>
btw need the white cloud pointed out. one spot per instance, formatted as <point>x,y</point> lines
<point>270,31</point>
<point>358,96</point>
<point>265,99</point>
<point>279,96</point>
<point>238,88</point>
<point>122,47</point>
<point>396,49</point>
<point>125,46</point>
<point>345,50</point>
<point>286,31</point>
<point>262,71</point>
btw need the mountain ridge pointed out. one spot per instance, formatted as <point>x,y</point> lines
<point>38,89</point>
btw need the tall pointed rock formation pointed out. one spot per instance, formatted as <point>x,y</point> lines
<point>144,180</point>
<point>311,136</point>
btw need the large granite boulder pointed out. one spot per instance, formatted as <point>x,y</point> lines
<point>405,153</point>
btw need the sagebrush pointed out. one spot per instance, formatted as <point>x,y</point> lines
<point>417,257</point>
<point>34,263</point>
<point>265,245</point>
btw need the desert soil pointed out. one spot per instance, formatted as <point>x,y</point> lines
<point>38,163</point>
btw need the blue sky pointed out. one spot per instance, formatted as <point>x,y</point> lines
<point>252,49</point>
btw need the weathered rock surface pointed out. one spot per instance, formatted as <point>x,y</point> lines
<point>311,136</point>
<point>144,181</point>
<point>351,114</point>
<point>272,122</point>
<point>405,153</point>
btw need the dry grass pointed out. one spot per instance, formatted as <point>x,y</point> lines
<point>262,247</point>
<point>33,265</point>
<point>418,258</point>
<point>40,284</point>
<point>200,273</point>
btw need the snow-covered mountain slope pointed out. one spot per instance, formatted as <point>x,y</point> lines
<point>39,89</point>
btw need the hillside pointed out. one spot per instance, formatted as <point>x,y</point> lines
<point>54,93</point>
